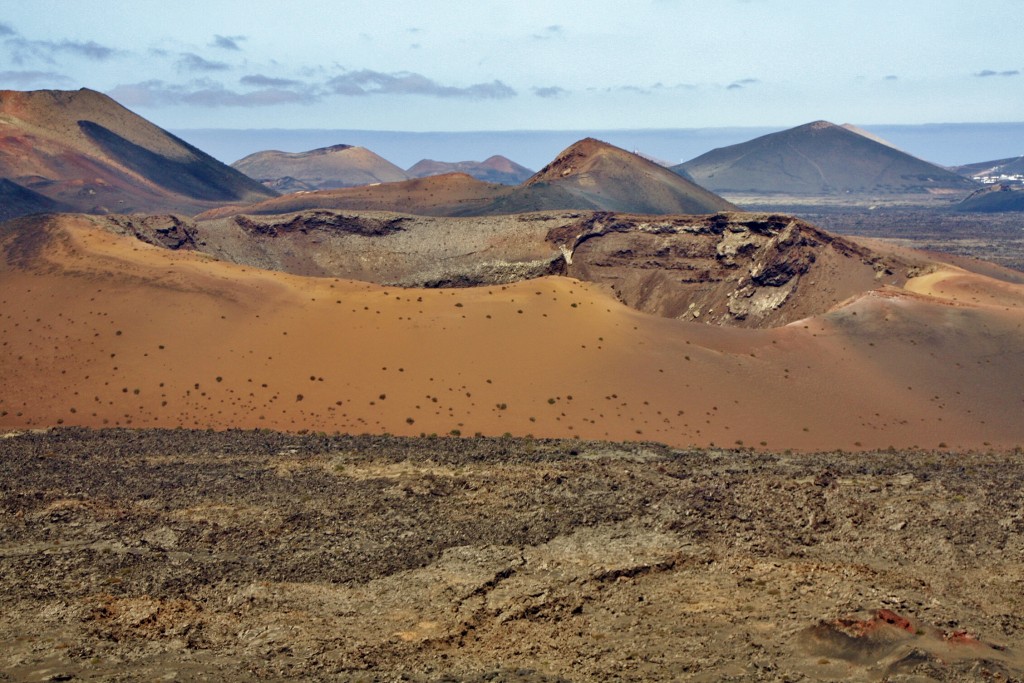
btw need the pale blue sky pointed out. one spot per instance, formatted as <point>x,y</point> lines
<point>418,65</point>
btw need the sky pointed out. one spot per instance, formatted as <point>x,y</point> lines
<point>431,65</point>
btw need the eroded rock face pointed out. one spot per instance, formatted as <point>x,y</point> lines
<point>738,269</point>
<point>751,270</point>
<point>169,231</point>
<point>322,220</point>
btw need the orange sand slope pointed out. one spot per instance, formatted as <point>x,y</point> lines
<point>99,329</point>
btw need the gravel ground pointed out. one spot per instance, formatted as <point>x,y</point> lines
<point>240,555</point>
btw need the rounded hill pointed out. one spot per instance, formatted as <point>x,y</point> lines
<point>321,169</point>
<point>494,169</point>
<point>819,159</point>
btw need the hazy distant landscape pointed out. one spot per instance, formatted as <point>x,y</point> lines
<point>947,144</point>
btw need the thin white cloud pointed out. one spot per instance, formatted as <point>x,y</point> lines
<point>550,32</point>
<point>156,93</point>
<point>986,73</point>
<point>24,50</point>
<point>227,42</point>
<point>368,82</point>
<point>23,79</point>
<point>551,91</point>
<point>741,83</point>
<point>189,61</point>
<point>261,81</point>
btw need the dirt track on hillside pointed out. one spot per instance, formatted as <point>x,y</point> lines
<point>130,555</point>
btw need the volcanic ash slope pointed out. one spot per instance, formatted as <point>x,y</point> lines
<point>101,329</point>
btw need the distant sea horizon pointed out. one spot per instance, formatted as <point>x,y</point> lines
<point>946,144</point>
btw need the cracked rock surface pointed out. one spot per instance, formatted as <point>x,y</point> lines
<point>131,555</point>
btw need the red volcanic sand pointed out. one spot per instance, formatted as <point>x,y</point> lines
<point>102,330</point>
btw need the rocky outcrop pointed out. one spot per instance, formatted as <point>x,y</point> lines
<point>490,273</point>
<point>322,220</point>
<point>734,269</point>
<point>729,268</point>
<point>169,232</point>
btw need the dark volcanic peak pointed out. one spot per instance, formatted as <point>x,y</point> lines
<point>819,159</point>
<point>322,169</point>
<point>86,152</point>
<point>494,169</point>
<point>16,200</point>
<point>994,198</point>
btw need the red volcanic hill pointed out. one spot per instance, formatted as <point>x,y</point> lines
<point>87,153</point>
<point>589,175</point>
<point>495,169</point>
<point>320,169</point>
<point>819,159</point>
